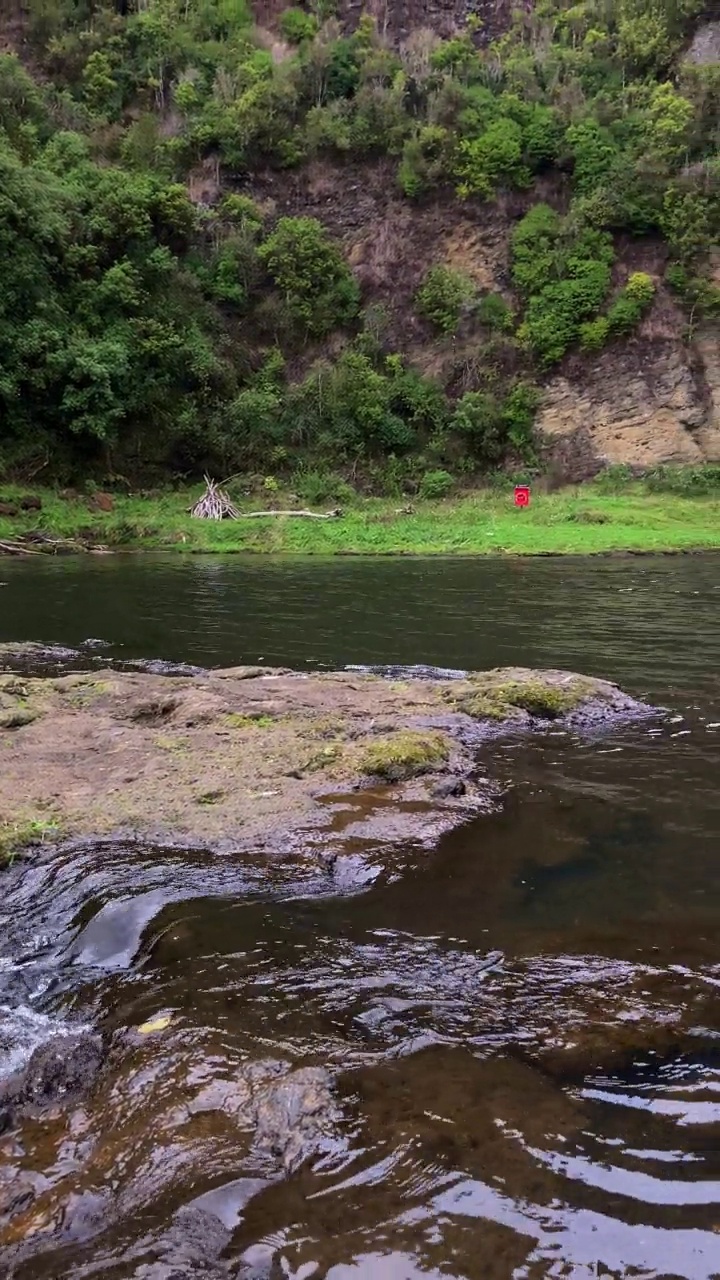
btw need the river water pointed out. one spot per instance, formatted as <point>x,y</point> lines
<point>475,1135</point>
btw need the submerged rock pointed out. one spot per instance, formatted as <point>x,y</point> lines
<point>297,1117</point>
<point>59,1071</point>
<point>617,1015</point>
<point>190,1248</point>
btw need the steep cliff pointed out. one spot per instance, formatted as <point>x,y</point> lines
<point>650,398</point>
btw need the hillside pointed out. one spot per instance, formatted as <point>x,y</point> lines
<point>393,245</point>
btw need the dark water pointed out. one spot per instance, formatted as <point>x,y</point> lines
<point>552,1111</point>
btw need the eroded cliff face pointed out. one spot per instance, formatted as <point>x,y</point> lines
<point>645,400</point>
<point>638,404</point>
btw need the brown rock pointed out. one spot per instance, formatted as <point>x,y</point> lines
<point>31,502</point>
<point>8,509</point>
<point>101,502</point>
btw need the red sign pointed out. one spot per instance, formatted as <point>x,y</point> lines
<point>522,495</point>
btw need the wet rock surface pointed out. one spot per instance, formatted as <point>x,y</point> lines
<point>297,1117</point>
<point>60,1071</point>
<point>190,1248</point>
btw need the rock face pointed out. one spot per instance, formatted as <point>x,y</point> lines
<point>705,48</point>
<point>640,407</point>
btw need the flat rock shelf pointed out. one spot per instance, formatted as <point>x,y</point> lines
<point>244,757</point>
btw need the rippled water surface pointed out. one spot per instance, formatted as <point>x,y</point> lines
<point>523,1027</point>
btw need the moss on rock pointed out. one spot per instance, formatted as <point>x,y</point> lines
<point>16,717</point>
<point>404,754</point>
<point>491,696</point>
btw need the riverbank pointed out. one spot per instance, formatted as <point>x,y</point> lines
<point>580,521</point>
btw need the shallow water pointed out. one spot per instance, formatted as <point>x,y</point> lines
<point>471,1140</point>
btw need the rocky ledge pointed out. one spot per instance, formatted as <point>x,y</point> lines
<point>238,757</point>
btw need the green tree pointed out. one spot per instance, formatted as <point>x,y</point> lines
<point>317,287</point>
<point>495,157</point>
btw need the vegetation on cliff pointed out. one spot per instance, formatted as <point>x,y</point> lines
<point>150,327</point>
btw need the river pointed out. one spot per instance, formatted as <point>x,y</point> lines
<point>593,893</point>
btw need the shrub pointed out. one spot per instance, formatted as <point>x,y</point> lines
<point>593,152</point>
<point>534,245</point>
<point>594,333</point>
<point>565,268</point>
<point>420,401</point>
<point>241,211</point>
<point>553,318</point>
<point>443,296</point>
<point>690,481</point>
<point>100,84</point>
<point>321,486</point>
<point>478,418</point>
<point>424,160</point>
<point>623,315</point>
<point>298,26</point>
<point>319,289</point>
<point>494,157</point>
<point>494,312</point>
<point>699,295</point>
<point>436,484</point>
<point>628,307</point>
<point>518,415</point>
<point>640,288</point>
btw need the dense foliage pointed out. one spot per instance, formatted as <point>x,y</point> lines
<point>145,331</point>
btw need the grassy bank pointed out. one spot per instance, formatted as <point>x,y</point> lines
<point>580,521</point>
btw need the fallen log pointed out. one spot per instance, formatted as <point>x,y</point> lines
<point>18,549</point>
<point>38,544</point>
<point>307,515</point>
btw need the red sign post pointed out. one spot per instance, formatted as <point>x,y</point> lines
<point>522,495</point>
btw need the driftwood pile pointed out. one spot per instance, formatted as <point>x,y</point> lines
<point>216,505</point>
